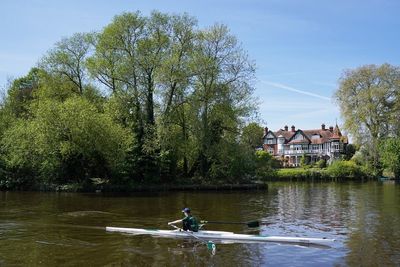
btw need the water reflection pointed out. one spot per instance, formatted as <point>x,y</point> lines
<point>53,229</point>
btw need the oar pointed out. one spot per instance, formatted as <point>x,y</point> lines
<point>251,224</point>
<point>210,245</point>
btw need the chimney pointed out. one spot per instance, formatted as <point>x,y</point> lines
<point>286,128</point>
<point>293,128</point>
<point>331,129</point>
<point>265,130</point>
<point>323,126</point>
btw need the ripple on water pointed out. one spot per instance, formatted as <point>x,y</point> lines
<point>68,229</point>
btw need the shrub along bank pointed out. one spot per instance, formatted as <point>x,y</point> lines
<point>337,171</point>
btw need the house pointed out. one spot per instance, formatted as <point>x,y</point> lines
<point>290,145</point>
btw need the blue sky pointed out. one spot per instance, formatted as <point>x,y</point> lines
<point>300,47</point>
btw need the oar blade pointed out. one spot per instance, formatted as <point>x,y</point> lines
<point>211,245</point>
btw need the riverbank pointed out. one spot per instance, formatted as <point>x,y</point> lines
<point>194,187</point>
<point>341,173</point>
<point>115,188</point>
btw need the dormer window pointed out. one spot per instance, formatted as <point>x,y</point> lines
<point>315,136</point>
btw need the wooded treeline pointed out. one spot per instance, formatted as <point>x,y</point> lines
<point>149,99</point>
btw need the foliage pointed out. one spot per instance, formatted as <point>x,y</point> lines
<point>251,135</point>
<point>236,164</point>
<point>65,142</point>
<point>266,164</point>
<point>67,59</point>
<point>304,161</point>
<point>390,155</point>
<point>350,151</point>
<point>369,98</point>
<point>337,170</point>
<point>301,174</point>
<point>321,163</point>
<point>345,169</point>
<point>147,99</point>
<point>21,93</point>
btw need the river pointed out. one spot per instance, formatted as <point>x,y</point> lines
<point>67,229</point>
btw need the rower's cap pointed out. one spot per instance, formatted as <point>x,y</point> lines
<point>187,210</point>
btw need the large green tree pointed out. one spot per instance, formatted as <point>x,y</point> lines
<point>222,89</point>
<point>369,98</point>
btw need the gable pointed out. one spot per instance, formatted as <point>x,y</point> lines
<point>298,136</point>
<point>270,135</point>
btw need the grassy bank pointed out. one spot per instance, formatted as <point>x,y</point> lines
<point>301,174</point>
<point>338,171</point>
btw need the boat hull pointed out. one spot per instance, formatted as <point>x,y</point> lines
<point>221,235</point>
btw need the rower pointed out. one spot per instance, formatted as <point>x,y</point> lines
<point>189,223</point>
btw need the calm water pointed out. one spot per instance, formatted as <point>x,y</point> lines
<point>67,229</point>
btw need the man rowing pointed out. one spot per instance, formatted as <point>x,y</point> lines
<point>189,223</point>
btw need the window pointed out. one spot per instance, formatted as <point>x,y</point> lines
<point>335,146</point>
<point>315,147</point>
<point>269,141</point>
<point>271,150</point>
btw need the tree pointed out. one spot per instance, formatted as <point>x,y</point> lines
<point>21,94</point>
<point>252,135</point>
<point>369,99</point>
<point>266,164</point>
<point>222,88</point>
<point>68,59</point>
<point>390,155</point>
<point>174,78</point>
<point>181,94</point>
<point>65,142</point>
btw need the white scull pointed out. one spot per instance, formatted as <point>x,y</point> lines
<point>221,235</point>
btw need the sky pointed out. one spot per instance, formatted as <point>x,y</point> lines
<point>300,48</point>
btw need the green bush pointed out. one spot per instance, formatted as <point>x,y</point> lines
<point>301,174</point>
<point>345,169</point>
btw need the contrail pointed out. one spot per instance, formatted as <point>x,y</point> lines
<point>288,88</point>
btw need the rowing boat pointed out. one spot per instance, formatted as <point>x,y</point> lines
<point>221,235</point>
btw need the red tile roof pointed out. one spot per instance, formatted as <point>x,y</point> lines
<point>325,136</point>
